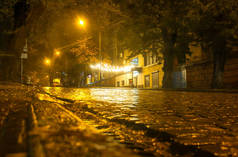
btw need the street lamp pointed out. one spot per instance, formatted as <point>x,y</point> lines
<point>47,61</point>
<point>81,22</point>
<point>100,52</point>
<point>57,53</point>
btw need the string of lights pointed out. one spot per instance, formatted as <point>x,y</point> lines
<point>109,68</point>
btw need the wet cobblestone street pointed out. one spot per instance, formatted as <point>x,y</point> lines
<point>159,123</point>
<point>116,122</point>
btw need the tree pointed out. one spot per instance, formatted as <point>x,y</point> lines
<point>215,26</point>
<point>10,12</point>
<point>46,24</point>
<point>160,27</point>
<point>174,24</point>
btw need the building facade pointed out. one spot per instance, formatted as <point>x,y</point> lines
<point>146,73</point>
<point>199,69</point>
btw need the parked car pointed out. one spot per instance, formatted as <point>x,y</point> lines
<point>56,82</point>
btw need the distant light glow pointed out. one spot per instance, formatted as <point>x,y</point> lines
<point>56,80</point>
<point>109,68</point>
<point>135,73</point>
<point>81,22</point>
<point>57,52</point>
<point>47,61</point>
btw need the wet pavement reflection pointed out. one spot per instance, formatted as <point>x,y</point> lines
<point>159,123</point>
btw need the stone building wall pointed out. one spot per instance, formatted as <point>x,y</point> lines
<point>231,73</point>
<point>199,75</point>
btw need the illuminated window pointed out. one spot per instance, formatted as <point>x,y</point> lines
<point>134,61</point>
<point>150,58</point>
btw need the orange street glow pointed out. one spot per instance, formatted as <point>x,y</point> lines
<point>47,61</point>
<point>80,22</point>
<point>57,52</point>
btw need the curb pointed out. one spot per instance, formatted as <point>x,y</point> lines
<point>34,142</point>
<point>177,89</point>
<point>197,90</point>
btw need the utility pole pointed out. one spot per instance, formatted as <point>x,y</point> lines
<point>23,56</point>
<point>21,69</point>
<point>100,52</point>
<point>115,54</point>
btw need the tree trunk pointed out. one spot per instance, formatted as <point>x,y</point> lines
<point>219,58</point>
<point>170,39</point>
<point>168,69</point>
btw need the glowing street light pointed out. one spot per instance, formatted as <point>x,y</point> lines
<point>109,68</point>
<point>57,52</point>
<point>47,61</point>
<point>81,22</point>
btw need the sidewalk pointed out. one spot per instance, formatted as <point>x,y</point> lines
<point>7,85</point>
<point>13,119</point>
<point>181,89</point>
<point>30,127</point>
<point>200,90</point>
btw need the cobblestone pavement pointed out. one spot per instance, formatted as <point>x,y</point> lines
<point>14,100</point>
<point>116,122</point>
<point>30,126</point>
<point>158,123</point>
<point>61,134</point>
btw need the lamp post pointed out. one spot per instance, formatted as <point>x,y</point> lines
<point>51,63</point>
<point>47,62</point>
<point>81,22</point>
<point>57,53</point>
<point>100,52</point>
<point>23,56</point>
